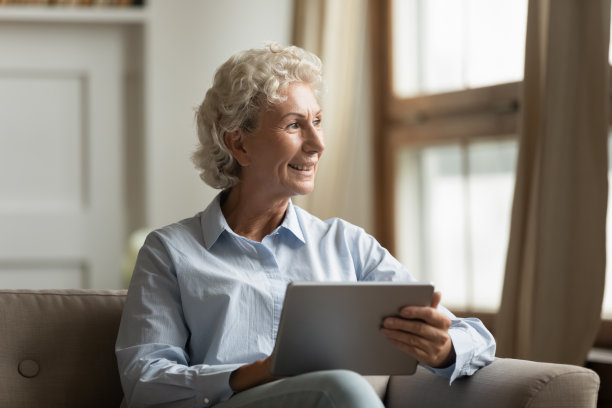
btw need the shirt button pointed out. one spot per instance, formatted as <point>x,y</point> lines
<point>206,401</point>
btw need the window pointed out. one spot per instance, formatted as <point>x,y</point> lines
<point>449,45</point>
<point>448,121</point>
<point>453,214</point>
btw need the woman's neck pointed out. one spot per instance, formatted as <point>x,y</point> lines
<point>252,215</point>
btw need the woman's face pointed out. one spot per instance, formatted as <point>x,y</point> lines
<point>283,153</point>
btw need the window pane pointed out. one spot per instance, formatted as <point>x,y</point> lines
<point>447,45</point>
<point>495,41</point>
<point>491,190</point>
<point>406,78</point>
<point>443,42</point>
<point>453,215</point>
<point>453,210</point>
<point>444,213</point>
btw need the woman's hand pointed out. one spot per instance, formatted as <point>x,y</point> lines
<point>422,331</point>
<point>251,375</point>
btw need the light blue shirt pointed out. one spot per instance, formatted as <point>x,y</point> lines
<point>203,301</point>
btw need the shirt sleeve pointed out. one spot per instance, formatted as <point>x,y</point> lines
<point>153,365</point>
<point>474,345</point>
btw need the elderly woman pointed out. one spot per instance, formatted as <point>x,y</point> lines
<point>205,298</point>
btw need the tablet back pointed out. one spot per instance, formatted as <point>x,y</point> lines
<point>328,325</point>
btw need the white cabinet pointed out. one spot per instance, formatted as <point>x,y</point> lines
<point>69,84</point>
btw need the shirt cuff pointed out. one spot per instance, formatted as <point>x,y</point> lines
<point>216,387</point>
<point>463,345</point>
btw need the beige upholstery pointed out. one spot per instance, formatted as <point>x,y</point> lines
<point>63,343</point>
<point>57,351</point>
<point>506,383</point>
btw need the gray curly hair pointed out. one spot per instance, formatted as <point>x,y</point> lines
<point>242,86</point>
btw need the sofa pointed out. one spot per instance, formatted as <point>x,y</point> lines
<point>57,350</point>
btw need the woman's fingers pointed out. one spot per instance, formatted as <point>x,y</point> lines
<point>422,336</point>
<point>434,350</point>
<point>417,328</point>
<point>422,332</point>
<point>428,314</point>
<point>435,299</point>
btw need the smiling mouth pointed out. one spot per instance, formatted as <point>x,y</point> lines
<point>302,167</point>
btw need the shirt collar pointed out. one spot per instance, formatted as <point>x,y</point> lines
<point>292,224</point>
<point>214,222</point>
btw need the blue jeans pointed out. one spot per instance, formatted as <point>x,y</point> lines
<point>320,389</point>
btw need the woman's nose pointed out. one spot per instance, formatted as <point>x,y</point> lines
<point>315,139</point>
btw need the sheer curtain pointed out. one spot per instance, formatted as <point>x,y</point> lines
<point>335,31</point>
<point>555,269</point>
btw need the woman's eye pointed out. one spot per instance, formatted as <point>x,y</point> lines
<point>293,125</point>
<point>317,122</point>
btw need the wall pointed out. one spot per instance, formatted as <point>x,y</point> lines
<point>185,42</point>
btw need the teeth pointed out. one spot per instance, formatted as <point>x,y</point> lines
<point>301,168</point>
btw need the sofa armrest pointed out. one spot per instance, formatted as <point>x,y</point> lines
<point>503,383</point>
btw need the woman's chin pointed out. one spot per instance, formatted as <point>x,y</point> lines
<point>303,190</point>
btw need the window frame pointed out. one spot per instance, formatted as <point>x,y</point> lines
<point>452,117</point>
<point>462,117</point>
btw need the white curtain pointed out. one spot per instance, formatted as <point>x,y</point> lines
<point>335,30</point>
<point>555,272</point>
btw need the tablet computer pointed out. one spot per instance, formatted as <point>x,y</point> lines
<point>327,325</point>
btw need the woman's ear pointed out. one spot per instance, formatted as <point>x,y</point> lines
<point>234,141</point>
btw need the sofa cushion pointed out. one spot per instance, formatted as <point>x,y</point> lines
<point>58,348</point>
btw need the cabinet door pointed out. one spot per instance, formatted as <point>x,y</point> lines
<point>61,149</point>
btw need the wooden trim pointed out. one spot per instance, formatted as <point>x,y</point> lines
<point>457,129</point>
<point>380,18</point>
<point>497,99</point>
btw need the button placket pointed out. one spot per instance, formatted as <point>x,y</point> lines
<point>277,284</point>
